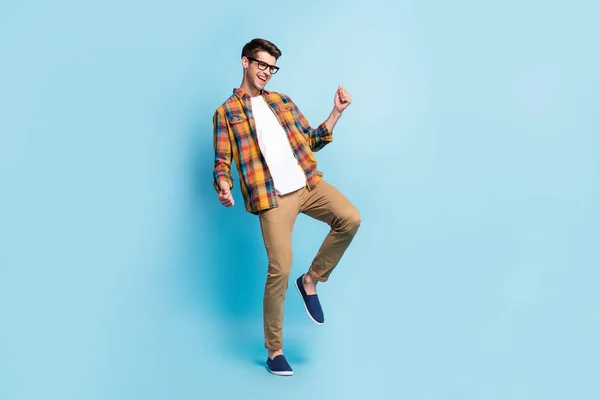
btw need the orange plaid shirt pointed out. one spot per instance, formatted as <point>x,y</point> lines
<point>235,136</point>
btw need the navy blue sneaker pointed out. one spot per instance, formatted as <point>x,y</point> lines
<point>279,366</point>
<point>311,303</point>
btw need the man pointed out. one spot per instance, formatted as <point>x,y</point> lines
<point>273,147</point>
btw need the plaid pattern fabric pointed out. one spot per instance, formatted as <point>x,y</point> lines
<point>235,137</point>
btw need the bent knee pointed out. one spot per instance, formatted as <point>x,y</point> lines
<point>352,219</point>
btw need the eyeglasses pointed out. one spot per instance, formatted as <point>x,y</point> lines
<point>263,65</point>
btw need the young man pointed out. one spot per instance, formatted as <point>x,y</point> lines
<point>273,147</point>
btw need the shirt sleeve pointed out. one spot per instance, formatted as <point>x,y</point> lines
<point>222,147</point>
<point>318,137</point>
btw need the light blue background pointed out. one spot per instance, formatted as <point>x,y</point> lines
<point>471,149</point>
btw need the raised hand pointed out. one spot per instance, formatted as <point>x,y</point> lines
<point>225,196</point>
<point>342,99</point>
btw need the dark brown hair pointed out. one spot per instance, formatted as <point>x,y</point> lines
<point>255,45</point>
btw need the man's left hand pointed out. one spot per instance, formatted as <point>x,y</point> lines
<point>342,99</point>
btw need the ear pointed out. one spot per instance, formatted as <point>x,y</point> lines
<point>245,62</point>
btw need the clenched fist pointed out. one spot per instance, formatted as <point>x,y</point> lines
<point>342,99</point>
<point>225,196</point>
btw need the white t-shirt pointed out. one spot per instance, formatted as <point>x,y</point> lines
<point>287,174</point>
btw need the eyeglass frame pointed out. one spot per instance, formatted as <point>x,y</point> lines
<point>272,68</point>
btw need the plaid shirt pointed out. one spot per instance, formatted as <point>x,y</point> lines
<point>235,136</point>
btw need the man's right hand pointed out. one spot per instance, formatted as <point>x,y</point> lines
<point>225,196</point>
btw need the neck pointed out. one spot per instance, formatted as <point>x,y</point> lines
<point>253,92</point>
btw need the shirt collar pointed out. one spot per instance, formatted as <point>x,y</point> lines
<point>239,92</point>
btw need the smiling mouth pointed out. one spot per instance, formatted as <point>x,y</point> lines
<point>263,80</point>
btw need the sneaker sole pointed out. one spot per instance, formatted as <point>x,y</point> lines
<point>306,308</point>
<point>280,373</point>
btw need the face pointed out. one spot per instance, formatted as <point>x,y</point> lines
<point>259,69</point>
